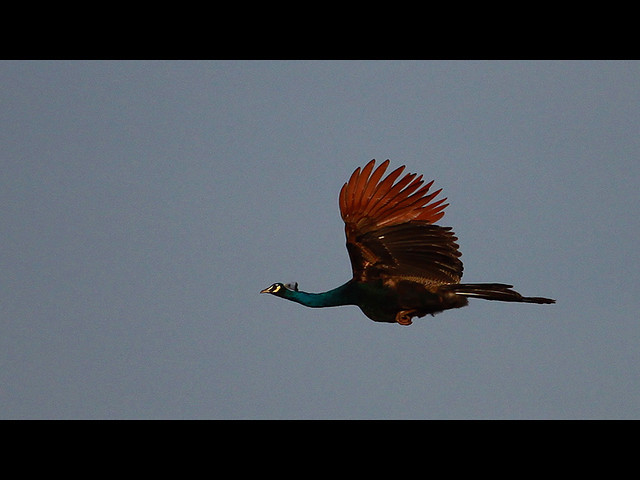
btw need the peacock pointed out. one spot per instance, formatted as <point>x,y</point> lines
<point>403,264</point>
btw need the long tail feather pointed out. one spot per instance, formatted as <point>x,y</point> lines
<point>492,291</point>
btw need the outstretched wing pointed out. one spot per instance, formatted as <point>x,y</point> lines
<point>389,228</point>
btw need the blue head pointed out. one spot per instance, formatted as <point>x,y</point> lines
<point>281,289</point>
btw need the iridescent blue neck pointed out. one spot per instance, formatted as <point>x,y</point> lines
<point>343,295</point>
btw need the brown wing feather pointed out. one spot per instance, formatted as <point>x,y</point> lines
<point>367,203</point>
<point>389,231</point>
<point>416,251</point>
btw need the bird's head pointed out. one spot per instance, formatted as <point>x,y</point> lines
<point>279,289</point>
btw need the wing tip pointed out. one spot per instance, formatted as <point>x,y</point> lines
<point>388,200</point>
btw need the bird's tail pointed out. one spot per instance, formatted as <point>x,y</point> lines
<point>492,291</point>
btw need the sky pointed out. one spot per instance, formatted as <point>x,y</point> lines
<point>144,205</point>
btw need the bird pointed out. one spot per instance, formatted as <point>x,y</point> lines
<point>403,264</point>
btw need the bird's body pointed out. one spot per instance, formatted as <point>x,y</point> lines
<point>403,265</point>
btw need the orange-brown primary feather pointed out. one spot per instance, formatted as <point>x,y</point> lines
<point>366,203</point>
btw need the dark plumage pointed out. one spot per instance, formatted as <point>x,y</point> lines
<point>403,265</point>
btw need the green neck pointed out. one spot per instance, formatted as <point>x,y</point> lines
<point>343,295</point>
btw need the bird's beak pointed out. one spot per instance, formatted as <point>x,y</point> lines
<point>266,290</point>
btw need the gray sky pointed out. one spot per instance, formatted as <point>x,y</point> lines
<point>144,204</point>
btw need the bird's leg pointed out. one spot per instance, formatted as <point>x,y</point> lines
<point>403,317</point>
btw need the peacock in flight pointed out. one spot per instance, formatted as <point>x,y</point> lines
<point>403,265</point>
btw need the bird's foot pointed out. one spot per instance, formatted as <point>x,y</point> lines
<point>403,317</point>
